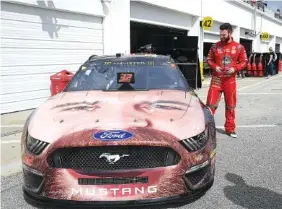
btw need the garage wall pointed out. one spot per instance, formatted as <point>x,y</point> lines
<point>246,36</point>
<point>264,46</point>
<point>37,43</point>
<point>212,35</point>
<point>146,13</point>
<point>184,6</point>
<point>221,11</point>
<point>269,25</point>
<point>225,11</point>
<point>211,38</point>
<point>116,26</point>
<point>279,41</point>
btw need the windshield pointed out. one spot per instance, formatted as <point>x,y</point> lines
<point>128,74</point>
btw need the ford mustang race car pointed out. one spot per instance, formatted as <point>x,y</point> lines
<point>127,131</point>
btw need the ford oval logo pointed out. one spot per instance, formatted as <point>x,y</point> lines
<point>113,135</point>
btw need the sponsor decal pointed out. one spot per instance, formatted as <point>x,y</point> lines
<point>113,135</point>
<point>114,191</point>
<point>212,154</point>
<point>136,63</point>
<point>125,78</point>
<point>83,68</point>
<point>226,60</point>
<point>199,157</point>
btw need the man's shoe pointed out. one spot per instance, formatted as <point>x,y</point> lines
<point>232,134</point>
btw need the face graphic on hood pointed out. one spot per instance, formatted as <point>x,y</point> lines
<point>160,110</point>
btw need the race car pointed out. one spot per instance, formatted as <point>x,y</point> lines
<point>126,131</point>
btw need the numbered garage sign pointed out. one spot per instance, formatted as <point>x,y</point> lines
<point>207,23</point>
<point>264,36</point>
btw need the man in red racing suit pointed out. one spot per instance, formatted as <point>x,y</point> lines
<point>226,58</point>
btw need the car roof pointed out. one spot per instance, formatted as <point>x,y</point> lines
<point>121,57</point>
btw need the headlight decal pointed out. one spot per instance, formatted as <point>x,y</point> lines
<point>35,146</point>
<point>195,143</point>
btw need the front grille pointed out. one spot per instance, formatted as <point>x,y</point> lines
<point>108,181</point>
<point>196,176</point>
<point>113,158</point>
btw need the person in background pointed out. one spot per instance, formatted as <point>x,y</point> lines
<point>253,2</point>
<point>261,4</point>
<point>277,13</point>
<point>226,58</point>
<point>271,62</point>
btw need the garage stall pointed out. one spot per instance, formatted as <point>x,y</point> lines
<point>154,22</point>
<point>167,30</point>
<point>37,42</point>
<point>246,39</point>
<point>278,45</point>
<point>141,34</point>
<point>247,44</point>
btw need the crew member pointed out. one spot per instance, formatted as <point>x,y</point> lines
<point>271,63</point>
<point>226,58</point>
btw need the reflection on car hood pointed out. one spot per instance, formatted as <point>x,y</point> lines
<point>167,110</point>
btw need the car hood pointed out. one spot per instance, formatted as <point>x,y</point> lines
<point>72,112</point>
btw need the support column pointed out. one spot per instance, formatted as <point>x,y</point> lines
<point>116,26</point>
<point>236,34</point>
<point>196,30</point>
<point>272,43</point>
<point>256,43</point>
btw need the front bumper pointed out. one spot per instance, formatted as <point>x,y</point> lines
<point>64,184</point>
<point>54,186</point>
<point>173,201</point>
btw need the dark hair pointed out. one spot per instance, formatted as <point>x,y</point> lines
<point>226,26</point>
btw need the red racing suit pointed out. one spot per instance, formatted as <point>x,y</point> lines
<point>226,56</point>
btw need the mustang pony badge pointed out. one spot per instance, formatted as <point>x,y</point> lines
<point>112,159</point>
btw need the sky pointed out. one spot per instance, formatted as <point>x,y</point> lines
<point>274,5</point>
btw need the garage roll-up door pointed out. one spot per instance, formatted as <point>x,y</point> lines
<point>37,43</point>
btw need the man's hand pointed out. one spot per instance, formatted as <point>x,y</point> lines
<point>230,71</point>
<point>218,69</point>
